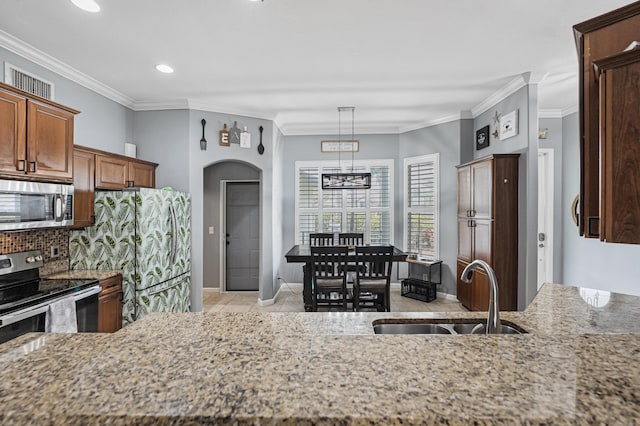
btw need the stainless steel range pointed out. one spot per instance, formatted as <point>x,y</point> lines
<point>25,297</point>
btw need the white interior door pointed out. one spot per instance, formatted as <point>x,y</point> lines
<point>545,216</point>
<point>242,236</point>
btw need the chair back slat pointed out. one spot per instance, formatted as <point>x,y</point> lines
<point>351,238</point>
<point>321,239</point>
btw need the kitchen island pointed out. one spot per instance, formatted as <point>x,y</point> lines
<point>578,364</point>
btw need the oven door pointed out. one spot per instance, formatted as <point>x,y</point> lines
<point>32,318</point>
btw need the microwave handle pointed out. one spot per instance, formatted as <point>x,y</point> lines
<point>58,207</point>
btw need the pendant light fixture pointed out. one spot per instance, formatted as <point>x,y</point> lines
<point>342,180</point>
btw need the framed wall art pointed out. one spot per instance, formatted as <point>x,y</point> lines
<point>509,125</point>
<point>482,138</point>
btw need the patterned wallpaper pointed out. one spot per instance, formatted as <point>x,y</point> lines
<point>39,239</point>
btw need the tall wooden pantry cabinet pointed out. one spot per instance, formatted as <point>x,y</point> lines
<point>488,229</point>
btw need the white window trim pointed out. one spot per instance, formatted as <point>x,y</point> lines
<point>358,163</point>
<point>435,158</point>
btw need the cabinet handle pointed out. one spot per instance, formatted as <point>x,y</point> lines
<point>93,219</point>
<point>22,165</point>
<point>34,166</point>
<point>472,213</point>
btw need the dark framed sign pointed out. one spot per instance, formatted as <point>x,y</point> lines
<point>482,138</point>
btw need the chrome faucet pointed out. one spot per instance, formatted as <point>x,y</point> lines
<point>493,318</point>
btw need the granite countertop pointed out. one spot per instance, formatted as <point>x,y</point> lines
<point>82,274</point>
<point>577,364</point>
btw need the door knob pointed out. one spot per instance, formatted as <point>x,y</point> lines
<point>540,245</point>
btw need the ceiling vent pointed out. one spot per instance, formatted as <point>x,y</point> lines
<point>28,82</point>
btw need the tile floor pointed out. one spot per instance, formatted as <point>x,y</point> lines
<point>290,300</point>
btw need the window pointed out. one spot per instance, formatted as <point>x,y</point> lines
<point>368,211</point>
<point>421,175</point>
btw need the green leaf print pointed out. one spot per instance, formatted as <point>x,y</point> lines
<point>85,241</point>
<point>111,241</point>
<point>111,203</point>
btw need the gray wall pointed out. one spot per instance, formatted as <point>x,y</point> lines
<point>163,137</point>
<point>213,175</point>
<point>554,141</point>
<point>200,160</point>
<point>278,244</point>
<point>589,262</point>
<point>446,140</point>
<point>525,101</point>
<point>102,123</point>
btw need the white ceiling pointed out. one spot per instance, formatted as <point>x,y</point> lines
<point>402,63</point>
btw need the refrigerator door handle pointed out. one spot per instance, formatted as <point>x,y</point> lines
<point>174,235</point>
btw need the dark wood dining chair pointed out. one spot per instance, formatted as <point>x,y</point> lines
<point>373,277</point>
<point>328,276</point>
<point>350,239</point>
<point>321,239</point>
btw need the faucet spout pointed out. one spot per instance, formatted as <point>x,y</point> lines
<point>493,318</point>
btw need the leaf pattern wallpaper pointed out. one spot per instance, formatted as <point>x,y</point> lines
<point>134,233</point>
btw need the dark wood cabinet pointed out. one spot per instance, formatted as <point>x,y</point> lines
<point>111,172</point>
<point>110,305</point>
<point>13,134</point>
<point>619,78</point>
<point>596,39</point>
<point>83,183</point>
<point>142,175</point>
<point>117,172</point>
<point>36,137</point>
<point>488,228</point>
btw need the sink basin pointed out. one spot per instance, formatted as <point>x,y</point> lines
<point>410,328</point>
<point>393,326</point>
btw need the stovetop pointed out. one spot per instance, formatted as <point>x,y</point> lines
<point>21,285</point>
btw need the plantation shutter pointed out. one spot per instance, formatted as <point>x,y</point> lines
<point>422,207</point>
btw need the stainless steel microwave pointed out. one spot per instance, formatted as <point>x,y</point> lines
<point>26,205</point>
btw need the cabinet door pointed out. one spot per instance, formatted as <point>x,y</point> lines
<point>110,305</point>
<point>482,240</point>
<point>465,241</point>
<point>49,142</point>
<point>111,172</point>
<point>142,175</point>
<point>83,178</point>
<point>13,134</point>
<point>620,149</point>
<point>482,189</point>
<point>464,191</point>
<point>463,290</point>
<point>480,291</point>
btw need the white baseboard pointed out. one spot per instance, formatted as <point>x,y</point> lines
<point>211,289</point>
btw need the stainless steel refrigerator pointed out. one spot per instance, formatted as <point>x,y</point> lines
<point>147,234</point>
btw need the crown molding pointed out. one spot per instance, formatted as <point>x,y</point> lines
<point>557,113</point>
<point>19,47</point>
<point>501,94</point>
<point>463,115</point>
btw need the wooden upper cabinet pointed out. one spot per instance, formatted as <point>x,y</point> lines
<point>116,172</point>
<point>36,137</point>
<point>13,133</point>
<point>620,147</point>
<point>49,141</point>
<point>596,39</point>
<point>481,191</point>
<point>142,175</point>
<point>111,172</point>
<point>83,183</point>
<point>464,192</point>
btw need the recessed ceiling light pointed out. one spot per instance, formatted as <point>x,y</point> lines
<point>164,68</point>
<point>87,5</point>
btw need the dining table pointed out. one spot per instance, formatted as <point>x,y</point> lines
<point>301,253</point>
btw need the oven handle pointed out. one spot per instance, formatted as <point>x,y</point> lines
<point>41,308</point>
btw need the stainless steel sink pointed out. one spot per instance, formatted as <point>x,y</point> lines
<point>393,326</point>
<point>410,328</point>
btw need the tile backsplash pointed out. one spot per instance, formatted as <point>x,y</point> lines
<point>39,239</point>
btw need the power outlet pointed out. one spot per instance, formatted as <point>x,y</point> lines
<point>55,252</point>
